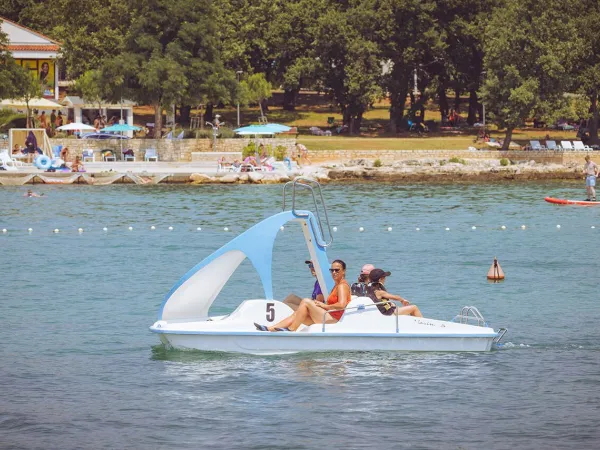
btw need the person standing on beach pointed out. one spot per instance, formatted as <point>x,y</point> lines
<point>590,171</point>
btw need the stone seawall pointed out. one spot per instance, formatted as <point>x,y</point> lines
<point>173,150</point>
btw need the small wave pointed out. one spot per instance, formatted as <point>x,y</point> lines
<point>510,345</point>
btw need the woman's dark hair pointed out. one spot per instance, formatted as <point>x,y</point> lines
<point>340,262</point>
<point>362,277</point>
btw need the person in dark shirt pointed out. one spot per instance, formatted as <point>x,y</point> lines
<point>376,291</point>
<point>360,287</point>
<point>317,294</point>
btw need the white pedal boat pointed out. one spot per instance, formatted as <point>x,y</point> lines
<point>184,322</point>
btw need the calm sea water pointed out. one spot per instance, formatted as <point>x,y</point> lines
<point>79,368</point>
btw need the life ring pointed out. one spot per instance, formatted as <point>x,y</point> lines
<point>56,163</point>
<point>43,162</point>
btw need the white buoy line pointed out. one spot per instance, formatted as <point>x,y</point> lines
<point>335,229</point>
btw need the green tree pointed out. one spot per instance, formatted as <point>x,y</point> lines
<point>409,39</point>
<point>525,61</point>
<point>26,88</point>
<point>170,56</point>
<point>349,64</point>
<point>256,89</point>
<point>585,72</point>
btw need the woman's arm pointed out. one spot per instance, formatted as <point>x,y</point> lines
<point>383,294</point>
<point>343,292</point>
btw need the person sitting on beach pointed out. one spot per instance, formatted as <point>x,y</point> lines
<point>302,153</point>
<point>251,160</point>
<point>310,311</point>
<point>360,287</point>
<point>77,165</point>
<point>376,291</point>
<point>64,154</point>
<point>266,161</point>
<point>223,163</point>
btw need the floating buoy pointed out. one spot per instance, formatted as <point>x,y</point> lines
<point>56,230</point>
<point>417,229</point>
<point>593,227</point>
<point>130,228</point>
<point>503,227</point>
<point>4,230</point>
<point>473,227</point>
<point>557,226</point>
<point>361,229</point>
<point>104,229</point>
<point>80,230</point>
<point>30,229</point>
<point>447,229</point>
<point>153,227</point>
<point>523,227</point>
<point>281,228</point>
<point>170,228</point>
<point>495,273</point>
<point>198,229</point>
<point>389,228</point>
<point>225,229</point>
<point>334,229</point>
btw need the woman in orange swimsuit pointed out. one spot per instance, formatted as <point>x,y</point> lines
<point>310,312</point>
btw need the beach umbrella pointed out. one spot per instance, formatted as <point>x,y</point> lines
<point>120,128</point>
<point>255,130</point>
<point>277,127</point>
<point>76,126</point>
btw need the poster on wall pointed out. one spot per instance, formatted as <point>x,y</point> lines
<point>42,70</point>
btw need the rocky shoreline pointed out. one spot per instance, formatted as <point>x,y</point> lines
<point>410,171</point>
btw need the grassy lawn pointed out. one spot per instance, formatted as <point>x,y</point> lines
<point>314,110</point>
<point>385,143</point>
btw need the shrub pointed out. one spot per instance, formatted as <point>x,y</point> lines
<point>202,134</point>
<point>504,162</point>
<point>377,163</point>
<point>454,159</point>
<point>10,119</point>
<point>279,152</point>
<point>249,150</point>
<point>226,133</point>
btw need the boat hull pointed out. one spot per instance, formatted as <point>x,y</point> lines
<point>362,328</point>
<point>263,343</point>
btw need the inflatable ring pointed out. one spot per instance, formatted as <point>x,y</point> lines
<point>43,162</point>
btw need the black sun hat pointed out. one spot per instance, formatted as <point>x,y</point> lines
<point>377,274</point>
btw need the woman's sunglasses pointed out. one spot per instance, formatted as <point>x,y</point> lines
<point>334,270</point>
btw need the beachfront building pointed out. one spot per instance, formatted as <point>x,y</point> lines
<point>78,110</point>
<point>35,52</point>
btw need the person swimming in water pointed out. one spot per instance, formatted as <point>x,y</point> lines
<point>30,193</point>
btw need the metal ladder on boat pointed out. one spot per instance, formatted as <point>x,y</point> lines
<point>315,190</point>
<point>471,313</point>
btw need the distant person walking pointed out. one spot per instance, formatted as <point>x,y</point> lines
<point>590,170</point>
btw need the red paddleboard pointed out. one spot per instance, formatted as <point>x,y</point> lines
<point>562,201</point>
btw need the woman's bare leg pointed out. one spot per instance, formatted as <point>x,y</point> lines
<point>410,310</point>
<point>314,315</point>
<point>301,313</point>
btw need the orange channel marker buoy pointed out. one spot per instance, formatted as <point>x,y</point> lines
<point>495,273</point>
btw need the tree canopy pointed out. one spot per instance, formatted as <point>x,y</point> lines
<point>519,58</point>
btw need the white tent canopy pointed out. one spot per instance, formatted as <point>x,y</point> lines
<point>33,103</point>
